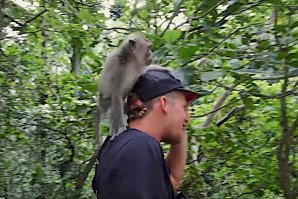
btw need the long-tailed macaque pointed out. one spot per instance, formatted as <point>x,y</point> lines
<point>120,72</point>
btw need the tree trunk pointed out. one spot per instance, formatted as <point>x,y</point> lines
<point>76,56</point>
<point>2,2</point>
<point>286,141</point>
<point>42,135</point>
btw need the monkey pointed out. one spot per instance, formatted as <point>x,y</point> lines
<point>120,72</point>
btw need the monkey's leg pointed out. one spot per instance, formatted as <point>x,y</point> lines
<point>116,115</point>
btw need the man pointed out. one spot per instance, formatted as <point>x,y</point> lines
<point>132,165</point>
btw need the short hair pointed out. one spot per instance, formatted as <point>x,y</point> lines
<point>136,109</point>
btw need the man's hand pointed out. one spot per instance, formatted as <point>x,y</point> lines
<point>177,160</point>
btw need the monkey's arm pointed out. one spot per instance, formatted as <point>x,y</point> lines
<point>176,160</point>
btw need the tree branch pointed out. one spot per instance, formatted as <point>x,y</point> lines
<point>12,19</point>
<point>82,177</point>
<point>195,59</point>
<point>274,18</point>
<point>230,12</point>
<point>295,125</point>
<point>217,106</point>
<point>115,28</point>
<point>229,115</point>
<point>35,17</point>
<point>86,5</point>
<point>277,96</point>
<point>296,84</point>
<point>155,17</point>
<point>230,35</point>
<point>213,111</point>
<point>274,77</point>
<point>2,3</point>
<point>246,193</point>
<point>26,22</point>
<point>67,5</point>
<point>249,7</point>
<point>202,16</point>
<point>215,47</point>
<point>173,16</point>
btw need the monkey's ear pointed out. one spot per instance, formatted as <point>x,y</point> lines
<point>132,44</point>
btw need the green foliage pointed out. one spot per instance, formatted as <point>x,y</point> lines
<point>47,112</point>
<point>171,36</point>
<point>187,52</point>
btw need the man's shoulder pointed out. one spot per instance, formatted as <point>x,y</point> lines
<point>129,140</point>
<point>137,138</point>
<point>131,134</point>
<point>131,143</point>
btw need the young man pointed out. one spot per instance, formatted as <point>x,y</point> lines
<point>132,165</point>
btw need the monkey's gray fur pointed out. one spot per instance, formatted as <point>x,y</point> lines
<point>120,72</point>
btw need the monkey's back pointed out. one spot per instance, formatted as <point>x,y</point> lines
<point>119,78</point>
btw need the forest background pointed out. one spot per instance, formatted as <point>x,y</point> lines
<point>241,54</point>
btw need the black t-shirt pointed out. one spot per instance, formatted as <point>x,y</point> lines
<point>132,166</point>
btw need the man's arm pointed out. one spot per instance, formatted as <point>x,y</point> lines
<point>176,160</point>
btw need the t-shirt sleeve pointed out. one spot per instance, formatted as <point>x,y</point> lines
<point>138,172</point>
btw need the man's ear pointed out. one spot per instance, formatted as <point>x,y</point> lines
<point>164,104</point>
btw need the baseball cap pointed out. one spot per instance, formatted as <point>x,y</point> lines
<point>156,82</point>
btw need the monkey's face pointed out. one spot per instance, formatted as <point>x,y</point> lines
<point>142,51</point>
<point>148,54</point>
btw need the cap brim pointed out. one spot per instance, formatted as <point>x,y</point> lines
<point>190,95</point>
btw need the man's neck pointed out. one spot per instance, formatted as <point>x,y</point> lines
<point>146,125</point>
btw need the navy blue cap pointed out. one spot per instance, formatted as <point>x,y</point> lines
<point>157,82</point>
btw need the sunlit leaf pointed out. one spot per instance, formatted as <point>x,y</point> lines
<point>172,35</point>
<point>85,15</point>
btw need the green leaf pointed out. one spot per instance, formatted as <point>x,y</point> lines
<point>248,102</point>
<point>294,25</point>
<point>207,76</point>
<point>172,35</point>
<point>144,14</point>
<point>232,8</point>
<point>2,77</point>
<point>85,15</point>
<point>38,170</point>
<point>205,5</point>
<point>229,163</point>
<point>281,28</point>
<point>187,52</point>
<point>176,3</point>
<point>38,175</point>
<point>68,185</point>
<point>273,1</point>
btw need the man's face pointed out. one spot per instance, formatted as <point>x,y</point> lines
<point>177,118</point>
